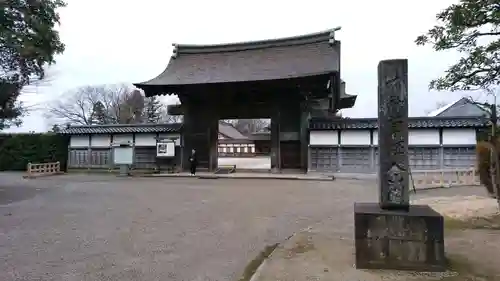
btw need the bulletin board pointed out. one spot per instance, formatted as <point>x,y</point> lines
<point>165,149</point>
<point>123,155</point>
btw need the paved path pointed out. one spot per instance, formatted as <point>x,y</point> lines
<point>107,228</point>
<point>98,227</point>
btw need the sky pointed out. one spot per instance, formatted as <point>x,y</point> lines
<point>125,41</point>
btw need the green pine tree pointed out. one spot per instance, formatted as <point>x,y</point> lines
<point>99,114</point>
<point>153,110</point>
<point>471,27</point>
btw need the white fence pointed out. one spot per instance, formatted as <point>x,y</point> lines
<point>43,169</point>
<point>445,178</point>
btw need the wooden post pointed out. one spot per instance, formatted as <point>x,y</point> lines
<point>275,143</point>
<point>28,169</point>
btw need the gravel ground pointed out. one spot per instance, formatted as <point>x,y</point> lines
<point>98,227</point>
<point>258,162</point>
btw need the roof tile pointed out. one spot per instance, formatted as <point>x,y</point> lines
<point>120,129</point>
<point>413,122</point>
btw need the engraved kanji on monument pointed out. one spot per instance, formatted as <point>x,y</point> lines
<point>393,134</point>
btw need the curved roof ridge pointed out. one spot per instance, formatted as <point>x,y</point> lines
<point>328,35</point>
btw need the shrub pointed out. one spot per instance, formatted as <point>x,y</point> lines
<point>483,150</point>
<point>17,150</point>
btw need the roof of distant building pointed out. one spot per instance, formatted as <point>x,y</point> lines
<point>230,131</point>
<point>461,107</point>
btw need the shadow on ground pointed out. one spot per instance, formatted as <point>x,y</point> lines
<point>10,194</point>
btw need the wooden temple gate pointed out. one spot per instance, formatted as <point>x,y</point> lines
<point>280,79</point>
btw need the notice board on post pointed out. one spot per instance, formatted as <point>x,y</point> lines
<point>165,148</point>
<point>123,155</point>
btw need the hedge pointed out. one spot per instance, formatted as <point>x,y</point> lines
<point>17,150</point>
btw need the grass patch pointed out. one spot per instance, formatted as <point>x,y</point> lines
<point>254,264</point>
<point>491,222</point>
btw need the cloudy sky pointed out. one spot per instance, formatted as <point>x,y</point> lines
<point>115,41</point>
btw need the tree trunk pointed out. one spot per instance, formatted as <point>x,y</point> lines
<point>495,173</point>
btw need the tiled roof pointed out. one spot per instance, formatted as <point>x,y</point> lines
<point>230,131</point>
<point>440,110</point>
<point>125,128</point>
<point>294,57</point>
<point>413,122</point>
<point>462,107</point>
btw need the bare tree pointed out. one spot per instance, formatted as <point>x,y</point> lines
<point>172,118</point>
<point>101,104</point>
<point>77,107</point>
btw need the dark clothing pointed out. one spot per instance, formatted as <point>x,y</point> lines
<point>193,168</point>
<point>194,162</point>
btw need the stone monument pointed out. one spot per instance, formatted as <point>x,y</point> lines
<point>392,234</point>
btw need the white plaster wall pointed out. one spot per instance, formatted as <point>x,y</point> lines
<point>355,137</point>
<point>417,136</point>
<point>145,139</point>
<point>177,137</point>
<point>79,141</point>
<point>100,140</point>
<point>324,137</point>
<point>423,137</point>
<point>459,136</point>
<point>122,138</point>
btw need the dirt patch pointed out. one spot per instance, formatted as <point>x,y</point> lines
<point>490,222</point>
<point>301,245</point>
<point>474,253</point>
<point>461,207</point>
<point>472,232</point>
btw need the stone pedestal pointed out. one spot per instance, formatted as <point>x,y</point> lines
<point>399,240</point>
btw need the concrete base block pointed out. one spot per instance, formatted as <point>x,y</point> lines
<point>399,240</point>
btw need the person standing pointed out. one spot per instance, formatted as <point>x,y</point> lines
<point>193,161</point>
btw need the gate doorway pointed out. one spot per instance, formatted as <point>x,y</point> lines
<point>237,145</point>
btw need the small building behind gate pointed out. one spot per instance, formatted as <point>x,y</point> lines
<point>232,143</point>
